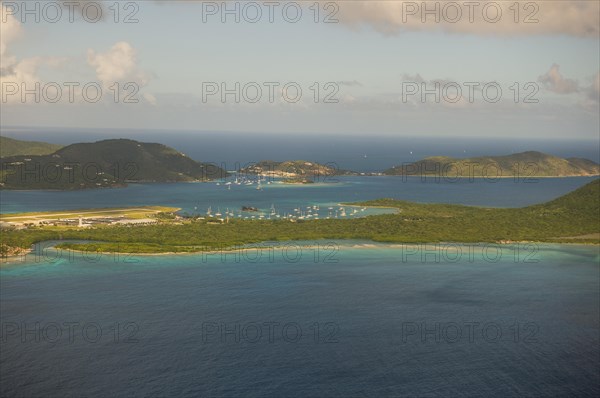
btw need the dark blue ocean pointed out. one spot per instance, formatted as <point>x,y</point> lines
<point>360,320</point>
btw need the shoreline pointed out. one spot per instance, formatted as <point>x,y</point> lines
<point>15,257</point>
<point>364,245</point>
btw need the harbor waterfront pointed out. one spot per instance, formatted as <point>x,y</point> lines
<point>196,198</point>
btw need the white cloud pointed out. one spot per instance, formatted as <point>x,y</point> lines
<point>151,99</point>
<point>554,81</point>
<point>17,74</point>
<point>118,64</point>
<point>591,102</point>
<point>10,31</point>
<point>574,18</point>
<point>594,89</point>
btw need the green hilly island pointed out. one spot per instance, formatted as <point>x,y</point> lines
<point>522,165</point>
<point>570,218</point>
<point>102,164</point>
<point>296,170</point>
<point>12,147</point>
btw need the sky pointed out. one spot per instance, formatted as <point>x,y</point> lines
<point>395,68</point>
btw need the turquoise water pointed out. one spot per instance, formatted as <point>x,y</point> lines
<point>197,197</point>
<point>360,319</point>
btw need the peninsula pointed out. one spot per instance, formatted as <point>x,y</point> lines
<point>519,165</point>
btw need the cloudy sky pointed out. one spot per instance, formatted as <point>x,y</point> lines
<point>485,68</point>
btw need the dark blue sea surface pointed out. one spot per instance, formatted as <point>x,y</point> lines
<point>363,320</point>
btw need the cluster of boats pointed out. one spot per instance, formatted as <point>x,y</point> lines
<point>299,213</point>
<point>246,181</point>
<point>313,212</point>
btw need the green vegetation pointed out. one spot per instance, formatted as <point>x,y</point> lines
<point>523,165</point>
<point>12,147</point>
<point>566,219</point>
<point>103,164</point>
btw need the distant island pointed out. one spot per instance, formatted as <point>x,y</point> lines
<point>570,218</point>
<point>295,171</point>
<point>103,164</point>
<point>523,165</point>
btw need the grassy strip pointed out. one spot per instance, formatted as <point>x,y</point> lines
<point>129,212</point>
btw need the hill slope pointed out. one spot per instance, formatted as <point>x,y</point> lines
<point>523,165</point>
<point>12,147</point>
<point>105,163</point>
